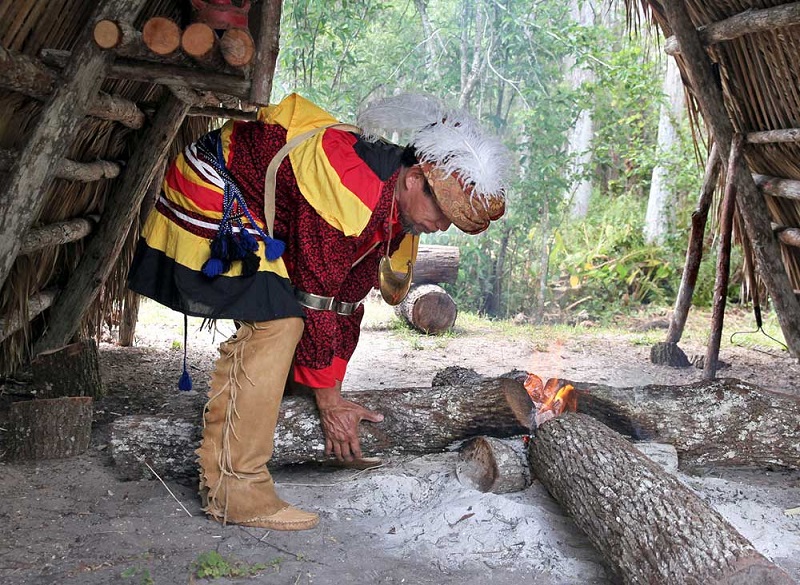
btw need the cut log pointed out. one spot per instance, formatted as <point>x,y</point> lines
<point>647,526</point>
<point>111,34</point>
<point>489,464</point>
<point>49,429</point>
<point>774,136</point>
<point>417,421</point>
<point>267,47</point>
<point>777,187</point>
<point>436,264</point>
<point>428,308</point>
<point>237,47</point>
<point>161,35</point>
<point>200,42</point>
<point>69,169</point>
<point>56,234</point>
<point>669,354</point>
<point>73,370</point>
<point>723,423</point>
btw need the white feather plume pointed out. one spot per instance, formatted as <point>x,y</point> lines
<point>450,139</point>
<point>405,111</point>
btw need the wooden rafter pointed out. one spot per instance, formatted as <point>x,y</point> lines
<point>69,169</point>
<point>749,200</point>
<point>97,261</point>
<point>749,22</point>
<point>56,234</point>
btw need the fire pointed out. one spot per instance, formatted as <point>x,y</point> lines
<point>550,399</point>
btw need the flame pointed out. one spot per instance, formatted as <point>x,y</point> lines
<point>551,398</point>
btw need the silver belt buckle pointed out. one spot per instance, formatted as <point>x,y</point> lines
<point>321,303</point>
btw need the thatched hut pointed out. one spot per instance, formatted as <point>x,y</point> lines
<point>85,132</point>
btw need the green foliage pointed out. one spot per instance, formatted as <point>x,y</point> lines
<point>143,574</point>
<point>212,565</point>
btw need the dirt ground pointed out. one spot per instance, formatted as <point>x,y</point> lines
<point>74,522</point>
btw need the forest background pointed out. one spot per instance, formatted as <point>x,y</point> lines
<point>606,166</point>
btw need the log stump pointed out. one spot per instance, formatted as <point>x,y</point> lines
<point>52,428</point>
<point>647,525</point>
<point>428,308</point>
<point>489,464</point>
<point>669,354</point>
<point>73,370</point>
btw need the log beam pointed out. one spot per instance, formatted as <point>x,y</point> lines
<point>37,303</point>
<point>69,169</point>
<point>774,136</point>
<point>749,201</point>
<point>417,421</point>
<point>787,235</point>
<point>117,109</point>
<point>646,524</point>
<point>56,234</point>
<point>777,187</point>
<point>24,193</point>
<point>748,22</point>
<point>267,47</point>
<point>97,261</point>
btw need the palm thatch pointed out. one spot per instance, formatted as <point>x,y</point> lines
<point>755,51</point>
<point>27,26</point>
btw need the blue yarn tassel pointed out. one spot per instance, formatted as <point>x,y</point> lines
<point>185,382</point>
<point>275,248</point>
<point>213,267</point>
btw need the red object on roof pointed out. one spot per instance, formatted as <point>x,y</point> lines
<point>221,14</point>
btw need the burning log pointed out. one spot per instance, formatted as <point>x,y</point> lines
<point>428,308</point>
<point>647,525</point>
<point>417,421</point>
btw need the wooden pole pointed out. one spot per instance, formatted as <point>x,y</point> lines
<point>267,47</point>
<point>69,169</point>
<point>777,187</point>
<point>161,35</point>
<point>787,235</point>
<point>749,201</point>
<point>24,195</point>
<point>774,136</point>
<point>749,22</point>
<point>57,234</point>
<point>723,261</point>
<point>646,524</point>
<point>694,250</point>
<point>117,109</point>
<point>25,74</point>
<point>37,303</point>
<point>97,261</point>
<point>197,79</point>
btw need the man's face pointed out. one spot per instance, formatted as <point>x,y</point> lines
<point>419,212</point>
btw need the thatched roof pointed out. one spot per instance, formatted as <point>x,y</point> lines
<point>752,51</point>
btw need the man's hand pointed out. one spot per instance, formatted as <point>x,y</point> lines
<point>340,420</point>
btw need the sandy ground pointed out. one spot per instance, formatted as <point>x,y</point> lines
<point>411,521</point>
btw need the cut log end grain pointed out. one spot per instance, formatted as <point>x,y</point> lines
<point>237,47</point>
<point>107,34</point>
<point>198,40</point>
<point>429,309</point>
<point>161,35</point>
<point>489,464</point>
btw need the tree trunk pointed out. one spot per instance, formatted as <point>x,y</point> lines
<point>646,524</point>
<point>499,466</point>
<point>660,206</point>
<point>417,421</point>
<point>724,422</point>
<point>437,264</point>
<point>73,370</point>
<point>428,308</point>
<point>49,429</point>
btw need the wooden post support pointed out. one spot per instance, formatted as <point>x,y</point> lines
<point>694,251</point>
<point>749,201</point>
<point>54,428</point>
<point>267,47</point>
<point>56,234</point>
<point>646,524</point>
<point>723,260</point>
<point>73,370</point>
<point>777,187</point>
<point>161,35</point>
<point>149,151</point>
<point>24,194</point>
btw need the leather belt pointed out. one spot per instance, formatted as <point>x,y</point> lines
<point>320,303</point>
